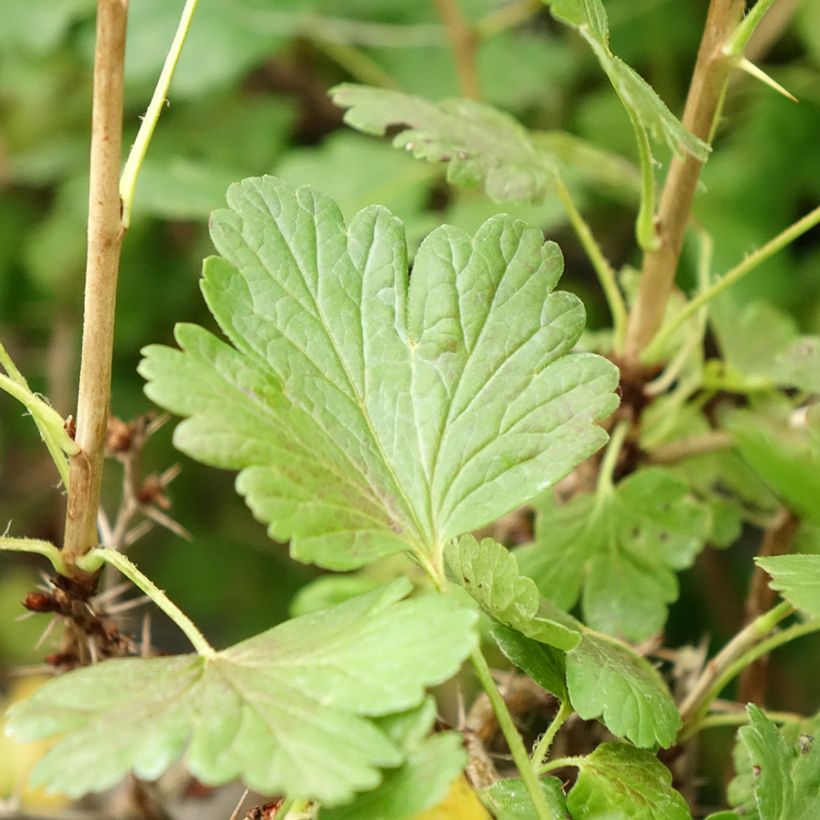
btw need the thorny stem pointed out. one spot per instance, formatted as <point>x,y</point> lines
<point>105,232</point>
<point>543,746</point>
<point>94,559</point>
<point>463,42</point>
<point>128,182</point>
<point>704,691</point>
<point>752,261</point>
<point>511,735</point>
<point>604,271</point>
<point>793,632</point>
<point>702,105</point>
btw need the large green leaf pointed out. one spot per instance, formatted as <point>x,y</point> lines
<point>369,417</point>
<point>797,579</point>
<point>609,681</point>
<point>268,710</point>
<point>777,779</point>
<point>617,780</point>
<point>489,572</point>
<point>621,547</point>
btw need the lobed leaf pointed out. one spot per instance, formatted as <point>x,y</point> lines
<point>619,551</point>
<point>609,681</point>
<point>367,416</point>
<point>287,711</point>
<point>489,572</point>
<point>777,779</point>
<point>796,578</point>
<point>617,780</point>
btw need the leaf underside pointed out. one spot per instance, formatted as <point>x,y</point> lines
<point>288,711</point>
<point>369,415</point>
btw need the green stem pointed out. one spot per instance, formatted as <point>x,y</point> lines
<point>736,44</point>
<point>8,365</point>
<point>93,560</point>
<point>511,735</point>
<point>752,261</point>
<point>603,270</point>
<point>616,442</point>
<point>38,547</point>
<point>543,746</point>
<point>716,721</point>
<point>128,180</point>
<point>645,225</point>
<point>714,676</point>
<point>560,762</point>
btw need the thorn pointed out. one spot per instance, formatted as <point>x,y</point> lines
<point>759,74</point>
<point>46,632</point>
<point>145,640</point>
<point>166,521</point>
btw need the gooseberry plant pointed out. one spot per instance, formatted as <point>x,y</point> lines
<point>371,411</point>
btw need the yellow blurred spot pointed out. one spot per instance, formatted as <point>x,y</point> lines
<point>18,759</point>
<point>461,803</point>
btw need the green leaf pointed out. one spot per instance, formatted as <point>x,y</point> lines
<point>609,681</point>
<point>544,664</point>
<point>617,780</point>
<point>480,144</point>
<point>483,146</point>
<point>421,782</point>
<point>369,417</point>
<point>489,572</point>
<point>590,19</point>
<point>621,548</point>
<point>785,776</point>
<point>269,710</point>
<point>508,799</point>
<point>797,579</point>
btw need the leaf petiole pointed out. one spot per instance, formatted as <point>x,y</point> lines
<point>93,560</point>
<point>36,546</point>
<point>543,746</point>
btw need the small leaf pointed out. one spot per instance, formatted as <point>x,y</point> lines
<point>544,664</point>
<point>489,572</point>
<point>617,780</point>
<point>508,799</point>
<point>367,416</point>
<point>784,776</point>
<point>287,710</point>
<point>621,549</point>
<point>590,19</point>
<point>480,144</point>
<point>797,579</point>
<point>609,681</point>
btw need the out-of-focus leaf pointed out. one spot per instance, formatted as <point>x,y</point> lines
<point>618,550</point>
<point>266,710</point>
<point>796,578</point>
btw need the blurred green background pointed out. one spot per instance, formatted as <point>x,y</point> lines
<point>250,98</point>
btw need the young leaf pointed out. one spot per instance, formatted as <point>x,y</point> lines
<point>508,799</point>
<point>797,579</point>
<point>609,681</point>
<point>590,19</point>
<point>287,710</point>
<point>369,417</point>
<point>480,144</point>
<point>622,547</point>
<point>617,780</point>
<point>544,664</point>
<point>489,572</point>
<point>784,776</point>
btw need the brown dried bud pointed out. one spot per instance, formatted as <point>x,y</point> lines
<point>40,602</point>
<point>119,436</point>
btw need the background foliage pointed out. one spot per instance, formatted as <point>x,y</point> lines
<point>250,97</point>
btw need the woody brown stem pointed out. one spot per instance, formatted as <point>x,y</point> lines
<point>703,103</point>
<point>105,233</point>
